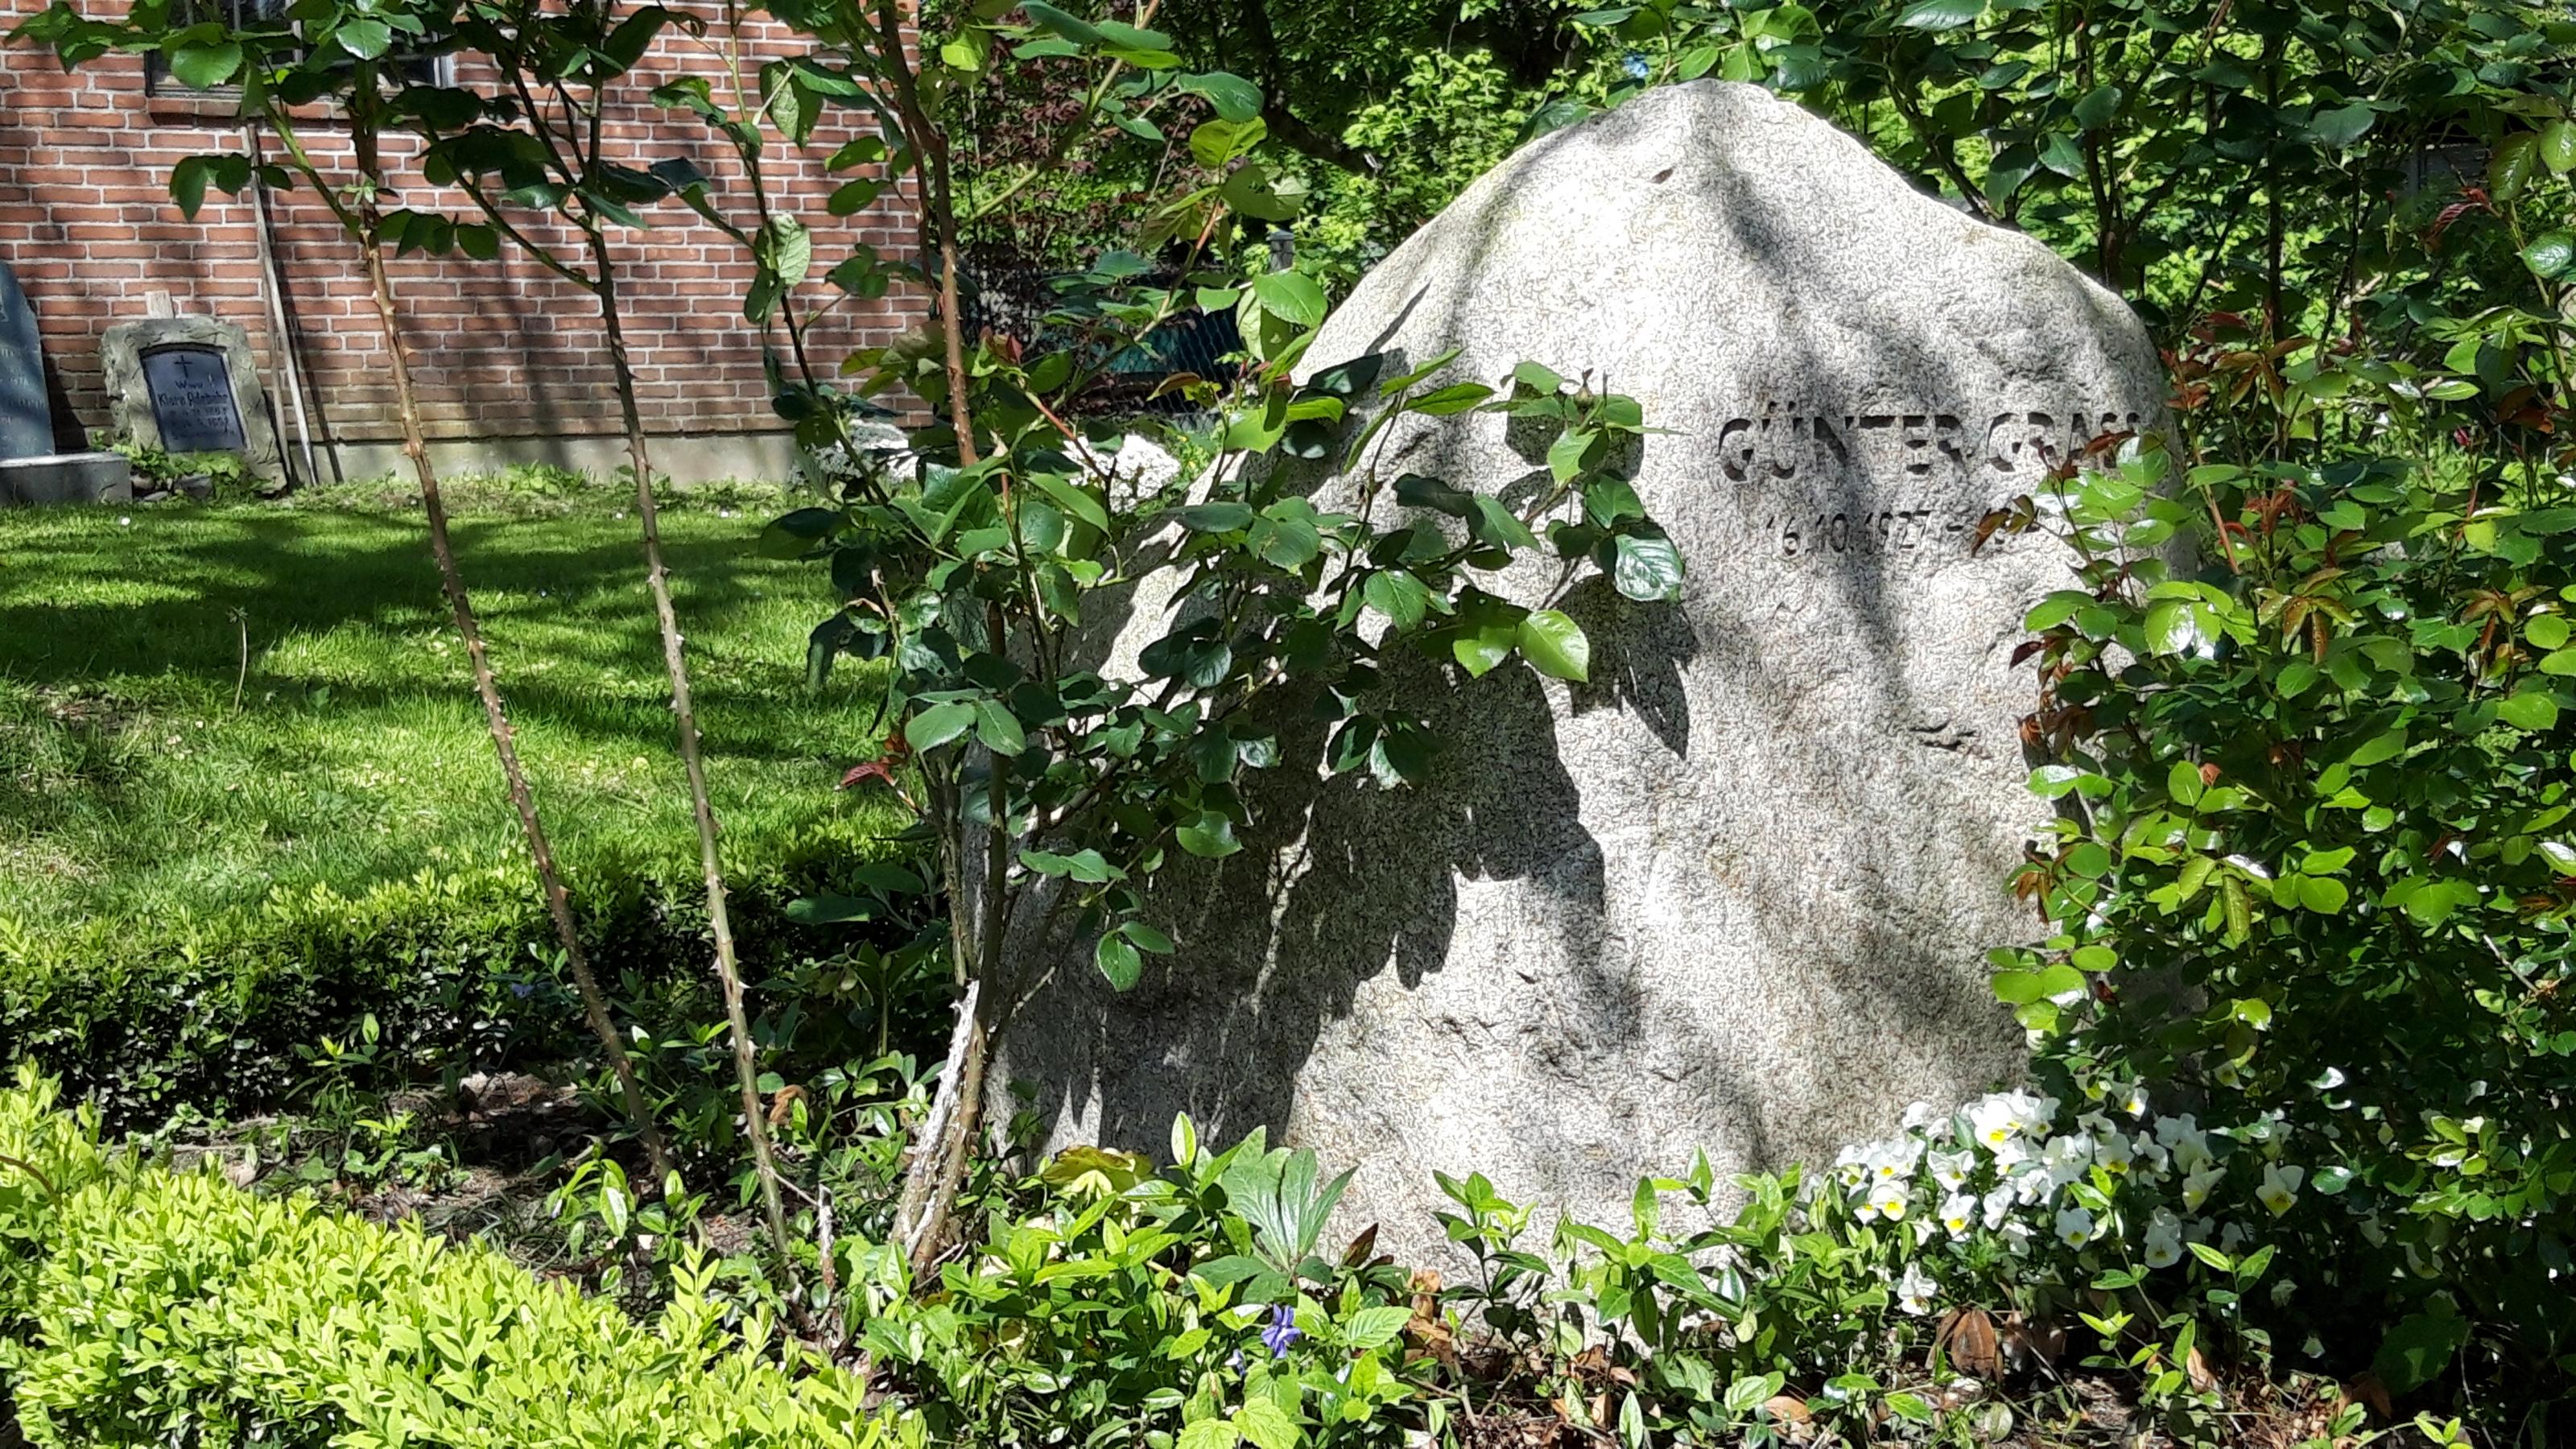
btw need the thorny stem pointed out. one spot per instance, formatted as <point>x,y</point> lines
<point>675,662</point>
<point>365,223</point>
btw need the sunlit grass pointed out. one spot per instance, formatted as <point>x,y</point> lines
<point>198,704</point>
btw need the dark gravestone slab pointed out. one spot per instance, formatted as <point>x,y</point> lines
<point>192,398</point>
<point>26,420</point>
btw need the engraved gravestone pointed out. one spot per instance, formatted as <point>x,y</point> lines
<point>1733,893</point>
<point>26,418</point>
<point>30,470</point>
<point>189,385</point>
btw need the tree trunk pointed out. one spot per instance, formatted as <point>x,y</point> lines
<point>675,661</point>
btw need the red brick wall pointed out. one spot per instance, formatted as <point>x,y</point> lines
<point>499,349</point>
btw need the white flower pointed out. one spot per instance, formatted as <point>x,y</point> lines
<point>2145,1148</point>
<point>1996,1120</point>
<point>1917,1115</point>
<point>1916,1290</point>
<point>2065,1158</point>
<point>2182,1137</point>
<point>1958,1212</point>
<point>2280,1186</point>
<point>2164,1240</point>
<point>2197,1183</point>
<point>2031,1184</point>
<point>2093,1124</point>
<point>1893,1160</point>
<point>2129,1097</point>
<point>2074,1227</point>
<point>2016,1235</point>
<point>1951,1169</point>
<point>1998,1205</point>
<point>2112,1152</point>
<point>1850,1166</point>
<point>1886,1200</point>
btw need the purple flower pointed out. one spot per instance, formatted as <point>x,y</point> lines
<point>523,989</point>
<point>1282,1332</point>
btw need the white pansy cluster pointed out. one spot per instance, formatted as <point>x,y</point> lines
<point>2115,1180</point>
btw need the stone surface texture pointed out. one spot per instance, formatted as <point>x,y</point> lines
<point>1734,893</point>
<point>121,358</point>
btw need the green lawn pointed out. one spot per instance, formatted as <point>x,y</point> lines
<point>201,704</point>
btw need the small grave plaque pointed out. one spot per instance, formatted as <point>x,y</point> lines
<point>189,385</point>
<point>192,399</point>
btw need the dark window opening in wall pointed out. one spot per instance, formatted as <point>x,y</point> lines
<point>243,14</point>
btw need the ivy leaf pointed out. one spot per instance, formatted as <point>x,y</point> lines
<point>1556,646</point>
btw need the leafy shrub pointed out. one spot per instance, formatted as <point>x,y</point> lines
<point>2315,864</point>
<point>142,1307</point>
<point>220,1014</point>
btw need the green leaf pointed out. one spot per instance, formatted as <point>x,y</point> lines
<point>795,534</point>
<point>2532,709</point>
<point>1555,645</point>
<point>1565,455</point>
<point>205,66</point>
<point>2557,147</point>
<point>2550,254</point>
<point>1493,525</point>
<point>2510,169</point>
<point>1215,517</point>
<point>1214,143</point>
<point>1119,962</point>
<point>2340,127</point>
<point>1486,637</point>
<point>1265,1424</point>
<point>1374,1327</point>
<point>1050,18</point>
<point>938,725</point>
<point>2322,894</point>
<point>1402,598</point>
<point>1210,836</point>
<point>1145,937</point>
<point>1073,498</point>
<point>1537,378</point>
<point>1292,297</point>
<point>2417,1350</point>
<point>1942,14</point>
<point>365,38</point>
<point>1234,98</point>
<point>2018,988</point>
<point>998,729</point>
<point>1647,569</point>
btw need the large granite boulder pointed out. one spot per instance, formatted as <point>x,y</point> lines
<point>1736,892</point>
